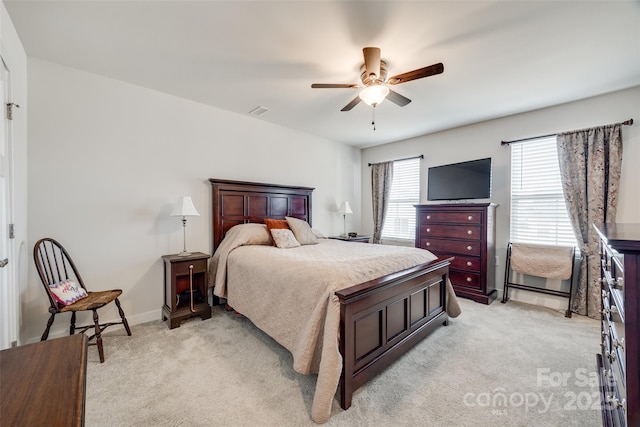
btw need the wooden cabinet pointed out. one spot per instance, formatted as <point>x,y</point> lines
<point>43,384</point>
<point>185,288</point>
<point>619,360</point>
<point>467,232</point>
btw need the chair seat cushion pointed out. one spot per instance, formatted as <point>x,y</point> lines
<point>67,292</point>
<point>93,300</point>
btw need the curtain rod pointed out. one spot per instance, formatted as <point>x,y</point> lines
<point>421,156</point>
<point>625,123</point>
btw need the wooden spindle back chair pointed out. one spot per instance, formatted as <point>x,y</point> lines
<point>54,265</point>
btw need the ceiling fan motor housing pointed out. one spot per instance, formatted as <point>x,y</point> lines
<point>373,79</point>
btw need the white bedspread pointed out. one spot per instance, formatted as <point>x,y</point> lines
<point>289,294</point>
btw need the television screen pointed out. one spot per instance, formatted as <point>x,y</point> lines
<point>458,181</point>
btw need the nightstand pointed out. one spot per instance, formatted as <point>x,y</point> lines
<point>361,239</point>
<point>185,288</point>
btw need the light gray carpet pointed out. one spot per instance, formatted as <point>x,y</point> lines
<point>498,365</point>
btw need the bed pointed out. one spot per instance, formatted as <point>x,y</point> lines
<point>350,330</point>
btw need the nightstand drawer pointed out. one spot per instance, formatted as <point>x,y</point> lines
<point>182,268</point>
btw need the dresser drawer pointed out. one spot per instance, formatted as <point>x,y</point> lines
<point>451,217</point>
<point>469,232</point>
<point>461,247</point>
<point>466,263</point>
<point>465,278</point>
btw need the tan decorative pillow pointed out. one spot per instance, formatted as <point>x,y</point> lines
<point>284,239</point>
<point>275,224</point>
<point>302,230</point>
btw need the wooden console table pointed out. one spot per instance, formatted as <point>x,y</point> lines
<point>44,383</point>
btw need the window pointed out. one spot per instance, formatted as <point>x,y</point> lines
<point>400,222</point>
<point>538,210</point>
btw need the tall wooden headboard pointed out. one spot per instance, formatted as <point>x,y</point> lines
<point>239,202</point>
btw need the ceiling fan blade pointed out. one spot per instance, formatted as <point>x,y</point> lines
<point>333,85</point>
<point>398,99</point>
<point>431,70</point>
<point>372,60</point>
<point>352,104</point>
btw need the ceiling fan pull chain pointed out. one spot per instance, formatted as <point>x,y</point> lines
<point>373,118</point>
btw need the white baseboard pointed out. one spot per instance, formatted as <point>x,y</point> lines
<point>61,329</point>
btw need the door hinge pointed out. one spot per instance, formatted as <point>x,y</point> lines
<point>10,106</point>
<point>12,231</point>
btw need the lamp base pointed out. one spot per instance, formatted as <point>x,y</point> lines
<point>184,253</point>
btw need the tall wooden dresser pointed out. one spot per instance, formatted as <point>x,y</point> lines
<point>467,232</point>
<point>619,361</point>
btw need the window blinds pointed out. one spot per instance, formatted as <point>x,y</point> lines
<point>538,210</point>
<point>400,222</point>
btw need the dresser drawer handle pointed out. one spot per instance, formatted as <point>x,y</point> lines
<point>470,232</point>
<point>469,248</point>
<point>619,283</point>
<point>428,230</point>
<point>469,263</point>
<point>470,218</point>
<point>469,279</point>
<point>428,216</point>
<point>428,243</point>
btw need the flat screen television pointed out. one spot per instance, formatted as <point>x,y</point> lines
<point>460,181</point>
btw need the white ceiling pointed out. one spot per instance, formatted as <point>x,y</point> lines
<point>500,57</point>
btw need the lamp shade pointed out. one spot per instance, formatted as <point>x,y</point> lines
<point>345,209</point>
<point>374,95</point>
<point>184,207</point>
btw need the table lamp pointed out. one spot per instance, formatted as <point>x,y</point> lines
<point>184,208</point>
<point>345,210</point>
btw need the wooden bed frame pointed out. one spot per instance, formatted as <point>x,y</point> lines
<point>380,319</point>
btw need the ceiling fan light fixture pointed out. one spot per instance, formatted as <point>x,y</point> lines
<point>374,95</point>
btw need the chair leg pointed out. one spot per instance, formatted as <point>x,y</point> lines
<point>45,334</point>
<point>72,327</point>
<point>96,321</point>
<point>122,316</point>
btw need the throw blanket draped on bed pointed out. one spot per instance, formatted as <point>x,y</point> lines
<point>296,293</point>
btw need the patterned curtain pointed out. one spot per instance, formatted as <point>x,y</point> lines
<point>590,165</point>
<point>381,177</point>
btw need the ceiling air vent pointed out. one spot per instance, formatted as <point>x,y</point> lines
<point>258,111</point>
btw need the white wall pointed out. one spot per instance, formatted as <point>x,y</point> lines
<point>107,161</point>
<point>483,140</point>
<point>16,59</point>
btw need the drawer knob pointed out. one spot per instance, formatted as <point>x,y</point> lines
<point>619,283</point>
<point>605,294</point>
<point>469,248</point>
<point>469,263</point>
<point>428,230</point>
<point>469,232</point>
<point>469,279</point>
<point>428,216</point>
<point>619,343</point>
<point>428,243</point>
<point>470,218</point>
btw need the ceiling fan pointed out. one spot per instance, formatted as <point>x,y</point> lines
<point>375,82</point>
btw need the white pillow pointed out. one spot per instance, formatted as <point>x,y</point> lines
<point>67,292</point>
<point>302,230</point>
<point>284,238</point>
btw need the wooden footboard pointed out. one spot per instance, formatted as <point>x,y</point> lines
<point>381,319</point>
